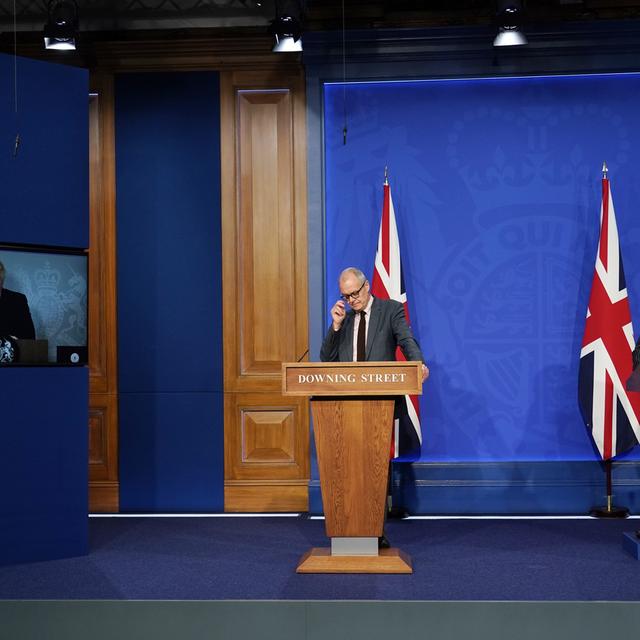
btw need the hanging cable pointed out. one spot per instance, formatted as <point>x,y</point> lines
<point>15,78</point>
<point>344,80</point>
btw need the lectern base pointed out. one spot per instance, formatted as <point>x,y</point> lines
<point>320,560</point>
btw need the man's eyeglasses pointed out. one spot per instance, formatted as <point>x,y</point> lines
<point>353,295</point>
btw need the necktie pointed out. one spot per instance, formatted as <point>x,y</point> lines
<point>362,333</point>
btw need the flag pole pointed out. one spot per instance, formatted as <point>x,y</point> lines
<point>387,283</point>
<point>609,511</point>
<point>392,511</point>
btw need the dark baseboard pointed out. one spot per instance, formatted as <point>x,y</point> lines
<point>506,488</point>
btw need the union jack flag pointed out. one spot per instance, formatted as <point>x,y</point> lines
<point>605,359</point>
<point>387,284</point>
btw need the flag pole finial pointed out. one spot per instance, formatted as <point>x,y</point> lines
<point>386,175</point>
<point>605,170</point>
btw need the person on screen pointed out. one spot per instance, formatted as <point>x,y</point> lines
<point>347,337</point>
<point>15,317</point>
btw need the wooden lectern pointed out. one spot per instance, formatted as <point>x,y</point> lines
<point>352,405</point>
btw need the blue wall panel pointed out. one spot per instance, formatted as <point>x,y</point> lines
<point>45,186</point>
<point>44,470</point>
<point>506,488</point>
<point>43,430</point>
<point>177,469</point>
<point>496,186</point>
<point>169,286</point>
<point>169,291</point>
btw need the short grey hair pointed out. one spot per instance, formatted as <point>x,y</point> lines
<point>355,272</point>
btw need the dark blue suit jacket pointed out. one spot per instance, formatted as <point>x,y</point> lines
<point>15,317</point>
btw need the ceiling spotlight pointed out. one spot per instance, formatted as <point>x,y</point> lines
<point>286,28</point>
<point>509,20</point>
<point>61,30</point>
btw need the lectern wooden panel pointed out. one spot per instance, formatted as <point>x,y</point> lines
<point>352,408</point>
<point>353,439</point>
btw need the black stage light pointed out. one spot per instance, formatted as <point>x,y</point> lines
<point>286,28</point>
<point>509,20</point>
<point>61,30</point>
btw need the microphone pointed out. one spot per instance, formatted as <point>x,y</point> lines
<point>302,356</point>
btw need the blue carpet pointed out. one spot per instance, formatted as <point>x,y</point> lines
<point>255,558</point>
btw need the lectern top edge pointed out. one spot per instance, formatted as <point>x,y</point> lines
<point>353,365</point>
<point>352,378</point>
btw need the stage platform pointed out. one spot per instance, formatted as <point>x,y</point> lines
<point>234,577</point>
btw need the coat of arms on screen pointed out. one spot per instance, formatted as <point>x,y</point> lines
<point>57,297</point>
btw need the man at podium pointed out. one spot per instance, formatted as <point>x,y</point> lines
<point>371,329</point>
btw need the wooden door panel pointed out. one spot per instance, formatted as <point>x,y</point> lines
<point>103,392</point>
<point>268,437</point>
<point>264,290</point>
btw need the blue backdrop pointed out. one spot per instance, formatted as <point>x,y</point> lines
<point>496,186</point>
<point>169,292</point>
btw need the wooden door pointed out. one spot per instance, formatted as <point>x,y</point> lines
<point>264,258</point>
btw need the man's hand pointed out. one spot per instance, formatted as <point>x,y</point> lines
<point>425,372</point>
<point>338,314</point>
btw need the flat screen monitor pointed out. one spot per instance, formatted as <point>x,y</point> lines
<point>54,282</point>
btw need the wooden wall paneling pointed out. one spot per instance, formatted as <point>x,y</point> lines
<point>103,446</point>
<point>265,271</point>
<point>263,227</point>
<point>257,496</point>
<point>103,453</point>
<point>264,441</point>
<point>98,366</point>
<point>102,252</point>
<point>266,453</point>
<point>248,52</point>
<point>264,289</point>
<point>103,398</point>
